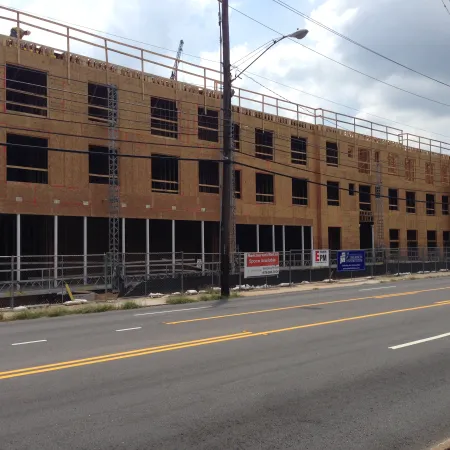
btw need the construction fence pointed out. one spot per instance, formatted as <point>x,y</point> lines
<point>44,279</point>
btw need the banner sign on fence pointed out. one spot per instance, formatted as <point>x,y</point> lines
<point>261,264</point>
<point>351,261</point>
<point>321,258</point>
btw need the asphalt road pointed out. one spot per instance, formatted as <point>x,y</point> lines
<point>301,371</point>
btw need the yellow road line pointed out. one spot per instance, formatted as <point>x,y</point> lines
<point>188,344</point>
<point>287,308</point>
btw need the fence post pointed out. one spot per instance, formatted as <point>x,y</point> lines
<point>182,272</point>
<point>373,262</point>
<point>11,301</point>
<point>239,268</point>
<point>398,264</point>
<point>385,253</point>
<point>105,274</point>
<point>423,262</point>
<point>290,267</point>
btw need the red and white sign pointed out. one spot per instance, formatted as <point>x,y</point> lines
<point>321,258</point>
<point>261,264</point>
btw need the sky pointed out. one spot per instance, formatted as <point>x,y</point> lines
<point>415,33</point>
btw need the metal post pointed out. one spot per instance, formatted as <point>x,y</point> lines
<point>147,247</point>
<point>284,246</point>
<point>273,238</point>
<point>303,245</point>
<point>290,267</point>
<point>105,263</point>
<point>423,261</point>
<point>182,272</point>
<point>173,248</point>
<point>257,238</point>
<point>18,246</point>
<point>227,166</point>
<point>11,300</point>
<point>373,248</point>
<point>239,267</point>
<point>203,245</point>
<point>312,240</point>
<point>85,249</point>
<point>55,250</point>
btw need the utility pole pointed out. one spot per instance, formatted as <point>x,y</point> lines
<point>227,166</point>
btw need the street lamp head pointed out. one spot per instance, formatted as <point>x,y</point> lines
<point>299,34</point>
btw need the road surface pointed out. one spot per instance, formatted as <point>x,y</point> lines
<point>364,367</point>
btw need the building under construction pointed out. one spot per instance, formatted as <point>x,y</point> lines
<point>103,155</point>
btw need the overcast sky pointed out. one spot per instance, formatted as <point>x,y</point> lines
<point>413,32</point>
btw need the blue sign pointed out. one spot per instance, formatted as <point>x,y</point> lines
<point>351,261</point>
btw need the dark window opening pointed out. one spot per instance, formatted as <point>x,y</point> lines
<point>446,238</point>
<point>264,188</point>
<point>26,90</point>
<point>365,198</point>
<point>410,202</point>
<point>165,174</point>
<point>430,203</point>
<point>334,238</point>
<point>98,165</point>
<point>298,150</point>
<point>237,184</point>
<point>26,159</point>
<point>411,238</point>
<point>264,144</point>
<point>431,238</point>
<point>333,193</point>
<point>164,117</point>
<point>351,189</point>
<point>208,125</point>
<point>208,177</point>
<point>393,199</point>
<point>377,156</point>
<point>237,136</point>
<point>98,102</point>
<point>445,205</point>
<point>394,238</point>
<point>299,192</point>
<point>332,154</point>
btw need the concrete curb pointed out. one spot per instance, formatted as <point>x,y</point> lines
<point>442,446</point>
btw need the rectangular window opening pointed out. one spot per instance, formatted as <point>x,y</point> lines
<point>237,136</point>
<point>394,238</point>
<point>333,193</point>
<point>98,102</point>
<point>237,184</point>
<point>26,159</point>
<point>165,174</point>
<point>26,90</point>
<point>98,165</point>
<point>393,199</point>
<point>445,208</point>
<point>430,204</point>
<point>351,189</point>
<point>410,202</point>
<point>264,144</point>
<point>264,188</point>
<point>299,192</point>
<point>332,153</point>
<point>412,244</point>
<point>208,177</point>
<point>164,117</point>
<point>364,160</point>
<point>208,124</point>
<point>365,203</point>
<point>446,239</point>
<point>298,150</point>
<point>431,238</point>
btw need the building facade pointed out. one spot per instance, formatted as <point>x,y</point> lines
<point>304,178</point>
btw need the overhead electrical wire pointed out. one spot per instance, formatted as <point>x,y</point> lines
<point>296,11</point>
<point>445,6</point>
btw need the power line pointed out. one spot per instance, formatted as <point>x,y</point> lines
<point>345,65</point>
<point>296,11</point>
<point>219,161</point>
<point>445,6</point>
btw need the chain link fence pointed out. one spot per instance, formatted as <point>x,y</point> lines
<point>43,279</point>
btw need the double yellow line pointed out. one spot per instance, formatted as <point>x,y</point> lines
<point>196,343</point>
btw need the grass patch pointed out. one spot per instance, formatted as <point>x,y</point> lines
<point>130,305</point>
<point>180,300</point>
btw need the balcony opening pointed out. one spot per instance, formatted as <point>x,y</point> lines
<point>98,164</point>
<point>164,117</point>
<point>165,174</point>
<point>208,177</point>
<point>208,125</point>
<point>264,188</point>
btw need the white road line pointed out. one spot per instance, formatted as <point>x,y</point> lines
<point>374,289</point>
<point>30,342</point>
<point>420,341</point>
<point>129,329</point>
<point>171,311</point>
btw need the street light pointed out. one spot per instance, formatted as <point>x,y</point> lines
<point>227,161</point>
<point>299,34</point>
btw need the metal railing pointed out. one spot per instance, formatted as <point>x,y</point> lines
<point>48,275</point>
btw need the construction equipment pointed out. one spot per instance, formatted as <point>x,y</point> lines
<point>174,75</point>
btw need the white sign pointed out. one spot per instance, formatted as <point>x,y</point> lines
<point>320,258</point>
<point>261,264</point>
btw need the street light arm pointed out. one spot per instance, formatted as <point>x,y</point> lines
<point>274,42</point>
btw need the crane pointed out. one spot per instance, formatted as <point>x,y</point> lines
<point>177,61</point>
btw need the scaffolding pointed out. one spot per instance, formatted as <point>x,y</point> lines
<point>113,188</point>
